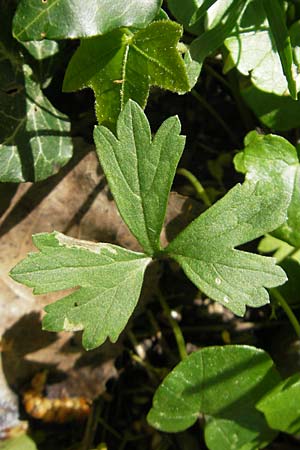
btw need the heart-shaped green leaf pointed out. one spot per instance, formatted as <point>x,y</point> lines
<point>224,384</point>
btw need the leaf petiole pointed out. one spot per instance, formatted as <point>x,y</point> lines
<point>200,191</point>
<point>175,327</point>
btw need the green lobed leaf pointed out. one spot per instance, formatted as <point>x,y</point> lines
<point>277,21</point>
<point>252,31</point>
<point>140,171</point>
<point>62,19</point>
<point>122,65</point>
<point>224,384</point>
<point>275,160</point>
<point>281,406</point>
<point>108,279</point>
<point>206,248</point>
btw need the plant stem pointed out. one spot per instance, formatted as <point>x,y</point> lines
<point>200,191</point>
<point>218,118</point>
<point>175,327</point>
<point>285,306</point>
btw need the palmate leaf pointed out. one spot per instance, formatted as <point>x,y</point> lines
<point>224,384</point>
<point>62,19</point>
<point>122,65</point>
<point>108,278</point>
<point>275,160</point>
<point>206,248</point>
<point>140,171</point>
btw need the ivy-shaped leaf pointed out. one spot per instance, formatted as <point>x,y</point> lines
<point>34,137</point>
<point>62,19</point>
<point>122,65</point>
<point>224,384</point>
<point>206,248</point>
<point>275,160</point>
<point>140,171</point>
<point>253,31</point>
<point>109,280</point>
<point>281,406</point>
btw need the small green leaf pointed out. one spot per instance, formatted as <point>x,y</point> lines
<point>276,19</point>
<point>275,160</point>
<point>281,406</point>
<point>224,383</point>
<point>108,278</point>
<point>252,31</point>
<point>140,172</point>
<point>121,65</point>
<point>205,249</point>
<point>57,19</point>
